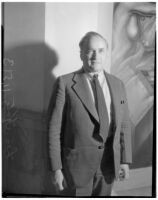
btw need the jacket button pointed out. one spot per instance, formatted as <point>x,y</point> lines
<point>101,147</point>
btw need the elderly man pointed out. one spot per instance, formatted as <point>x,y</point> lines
<point>89,133</point>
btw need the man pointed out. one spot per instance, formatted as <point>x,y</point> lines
<point>89,135</point>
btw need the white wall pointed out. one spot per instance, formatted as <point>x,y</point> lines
<point>66,23</point>
<point>104,27</point>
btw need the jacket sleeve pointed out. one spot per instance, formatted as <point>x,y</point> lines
<point>55,125</point>
<point>125,134</point>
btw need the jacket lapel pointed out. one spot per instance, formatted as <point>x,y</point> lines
<point>82,90</point>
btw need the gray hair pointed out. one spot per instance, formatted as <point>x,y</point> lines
<point>88,36</point>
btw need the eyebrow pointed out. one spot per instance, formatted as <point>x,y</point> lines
<point>100,49</point>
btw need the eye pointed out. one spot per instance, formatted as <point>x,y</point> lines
<point>101,50</point>
<point>143,18</point>
<point>89,52</point>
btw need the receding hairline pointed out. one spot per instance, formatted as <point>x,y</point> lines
<point>86,38</point>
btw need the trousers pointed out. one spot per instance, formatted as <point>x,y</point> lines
<point>99,185</point>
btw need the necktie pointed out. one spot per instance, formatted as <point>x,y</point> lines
<point>102,109</point>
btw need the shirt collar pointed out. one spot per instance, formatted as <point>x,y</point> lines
<point>91,74</point>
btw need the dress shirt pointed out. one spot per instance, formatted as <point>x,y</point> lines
<point>104,86</point>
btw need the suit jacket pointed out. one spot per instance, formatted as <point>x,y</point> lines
<point>75,145</point>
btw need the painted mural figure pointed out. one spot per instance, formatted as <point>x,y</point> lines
<point>89,133</point>
<point>133,61</point>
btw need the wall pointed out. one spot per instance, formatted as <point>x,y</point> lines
<point>104,27</point>
<point>24,25</point>
<point>23,93</point>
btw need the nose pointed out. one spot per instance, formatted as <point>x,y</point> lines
<point>95,55</point>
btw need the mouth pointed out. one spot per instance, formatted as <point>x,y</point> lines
<point>95,62</point>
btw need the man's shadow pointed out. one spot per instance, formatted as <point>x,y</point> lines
<point>32,84</point>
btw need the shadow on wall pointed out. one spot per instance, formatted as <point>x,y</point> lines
<point>32,77</point>
<point>28,83</point>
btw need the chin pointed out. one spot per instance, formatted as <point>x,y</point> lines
<point>96,68</point>
<point>93,68</point>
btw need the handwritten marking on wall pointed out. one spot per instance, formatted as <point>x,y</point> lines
<point>10,118</point>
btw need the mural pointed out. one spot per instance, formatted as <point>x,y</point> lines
<point>133,61</point>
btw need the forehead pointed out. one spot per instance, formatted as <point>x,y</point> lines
<point>95,42</point>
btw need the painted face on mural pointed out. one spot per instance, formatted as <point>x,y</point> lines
<point>133,54</point>
<point>94,54</point>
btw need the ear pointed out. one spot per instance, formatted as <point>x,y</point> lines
<point>81,55</point>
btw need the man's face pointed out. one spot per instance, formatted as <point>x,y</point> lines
<point>94,54</point>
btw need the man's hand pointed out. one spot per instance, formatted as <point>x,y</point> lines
<point>123,172</point>
<point>58,180</point>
